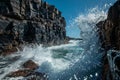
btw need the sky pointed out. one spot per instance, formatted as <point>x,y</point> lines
<point>72,8</point>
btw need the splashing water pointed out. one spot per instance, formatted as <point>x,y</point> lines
<point>78,60</point>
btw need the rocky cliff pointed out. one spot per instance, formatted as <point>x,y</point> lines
<point>110,28</point>
<point>109,31</point>
<point>29,21</point>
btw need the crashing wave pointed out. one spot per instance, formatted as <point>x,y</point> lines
<point>78,60</point>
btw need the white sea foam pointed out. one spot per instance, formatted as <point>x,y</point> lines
<point>71,61</point>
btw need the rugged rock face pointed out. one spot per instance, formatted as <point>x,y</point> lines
<point>25,22</point>
<point>29,21</point>
<point>28,72</point>
<point>110,28</point>
<point>109,31</point>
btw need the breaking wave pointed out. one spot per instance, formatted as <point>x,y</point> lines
<point>77,60</point>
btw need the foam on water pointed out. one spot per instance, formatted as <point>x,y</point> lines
<point>78,60</point>
<point>45,55</point>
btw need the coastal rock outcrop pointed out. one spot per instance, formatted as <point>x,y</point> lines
<point>30,21</point>
<point>110,28</point>
<point>28,72</point>
<point>30,65</point>
<point>109,31</point>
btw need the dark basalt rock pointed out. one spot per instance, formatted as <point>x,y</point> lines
<point>29,21</point>
<point>30,65</point>
<point>19,73</point>
<point>110,28</point>
<point>117,63</point>
<point>28,72</point>
<point>109,33</point>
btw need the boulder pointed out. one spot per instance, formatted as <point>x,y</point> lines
<point>28,75</point>
<point>19,73</point>
<point>30,65</point>
<point>28,72</point>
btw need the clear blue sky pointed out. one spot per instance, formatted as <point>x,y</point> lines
<point>71,8</point>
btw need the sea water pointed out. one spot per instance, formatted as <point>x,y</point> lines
<point>77,60</point>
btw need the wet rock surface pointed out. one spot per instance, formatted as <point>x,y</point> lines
<point>37,76</point>
<point>19,73</point>
<point>29,21</point>
<point>28,72</point>
<point>109,31</point>
<point>30,65</point>
<point>110,28</point>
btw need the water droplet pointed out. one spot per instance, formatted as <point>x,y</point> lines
<point>96,74</point>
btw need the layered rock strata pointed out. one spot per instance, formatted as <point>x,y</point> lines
<point>29,21</point>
